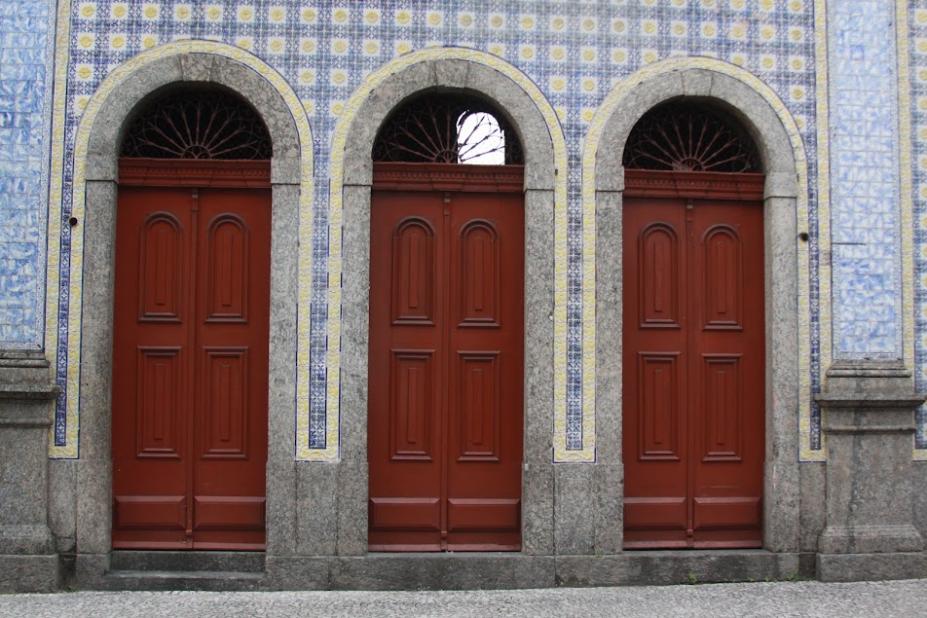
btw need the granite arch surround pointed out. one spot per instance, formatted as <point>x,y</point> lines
<point>96,162</point>
<point>785,197</point>
<point>340,527</point>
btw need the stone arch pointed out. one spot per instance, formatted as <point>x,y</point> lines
<point>97,148</point>
<point>542,138</point>
<point>776,136</point>
<point>513,94</point>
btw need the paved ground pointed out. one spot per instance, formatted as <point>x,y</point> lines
<point>879,599</point>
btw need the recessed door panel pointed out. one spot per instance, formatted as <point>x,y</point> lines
<point>726,514</point>
<point>161,258</point>
<point>226,410</point>
<point>479,274</point>
<point>658,406</point>
<point>655,513</point>
<point>227,278</point>
<point>723,277</point>
<point>409,514</point>
<point>723,406</point>
<point>693,374</point>
<point>484,515</point>
<point>479,405</point>
<point>658,279</point>
<point>218,513</point>
<point>445,370</point>
<point>158,402</point>
<point>413,272</point>
<point>190,368</point>
<point>412,404</point>
<point>150,512</point>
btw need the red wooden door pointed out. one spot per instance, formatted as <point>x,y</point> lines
<point>190,363</point>
<point>693,370</point>
<point>446,362</point>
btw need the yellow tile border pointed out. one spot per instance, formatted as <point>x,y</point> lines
<point>906,192</point>
<point>825,322</point>
<point>333,356</point>
<point>55,192</point>
<point>82,139</point>
<point>590,148</point>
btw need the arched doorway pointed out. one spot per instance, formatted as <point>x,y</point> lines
<point>191,322</point>
<point>446,352</point>
<point>693,340</point>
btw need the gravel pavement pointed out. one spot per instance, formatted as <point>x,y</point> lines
<point>881,599</point>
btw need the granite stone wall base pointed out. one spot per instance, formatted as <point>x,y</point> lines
<point>455,571</point>
<point>863,567</point>
<point>29,573</point>
<point>153,570</point>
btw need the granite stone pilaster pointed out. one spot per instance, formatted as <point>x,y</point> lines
<point>28,560</point>
<point>869,425</point>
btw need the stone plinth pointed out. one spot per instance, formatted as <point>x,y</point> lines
<point>27,556</point>
<point>868,413</point>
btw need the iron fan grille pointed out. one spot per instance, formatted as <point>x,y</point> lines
<point>198,125</point>
<point>447,128</point>
<point>686,137</point>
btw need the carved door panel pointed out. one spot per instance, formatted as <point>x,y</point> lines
<point>693,364</point>
<point>445,370</point>
<point>190,368</point>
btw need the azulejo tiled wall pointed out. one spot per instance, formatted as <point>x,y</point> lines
<point>864,185</point>
<point>573,51</point>
<point>26,28</point>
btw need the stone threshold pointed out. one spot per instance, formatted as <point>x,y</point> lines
<point>465,571</point>
<point>154,570</point>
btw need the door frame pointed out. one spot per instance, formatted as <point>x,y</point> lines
<point>97,157</point>
<point>473,75</point>
<point>784,197</point>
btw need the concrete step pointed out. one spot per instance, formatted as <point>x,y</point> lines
<point>225,561</point>
<point>182,580</point>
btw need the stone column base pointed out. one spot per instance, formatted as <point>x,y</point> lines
<point>861,567</point>
<point>28,562</point>
<point>30,573</point>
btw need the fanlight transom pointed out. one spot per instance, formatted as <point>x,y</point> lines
<point>208,124</point>
<point>682,136</point>
<point>445,128</point>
